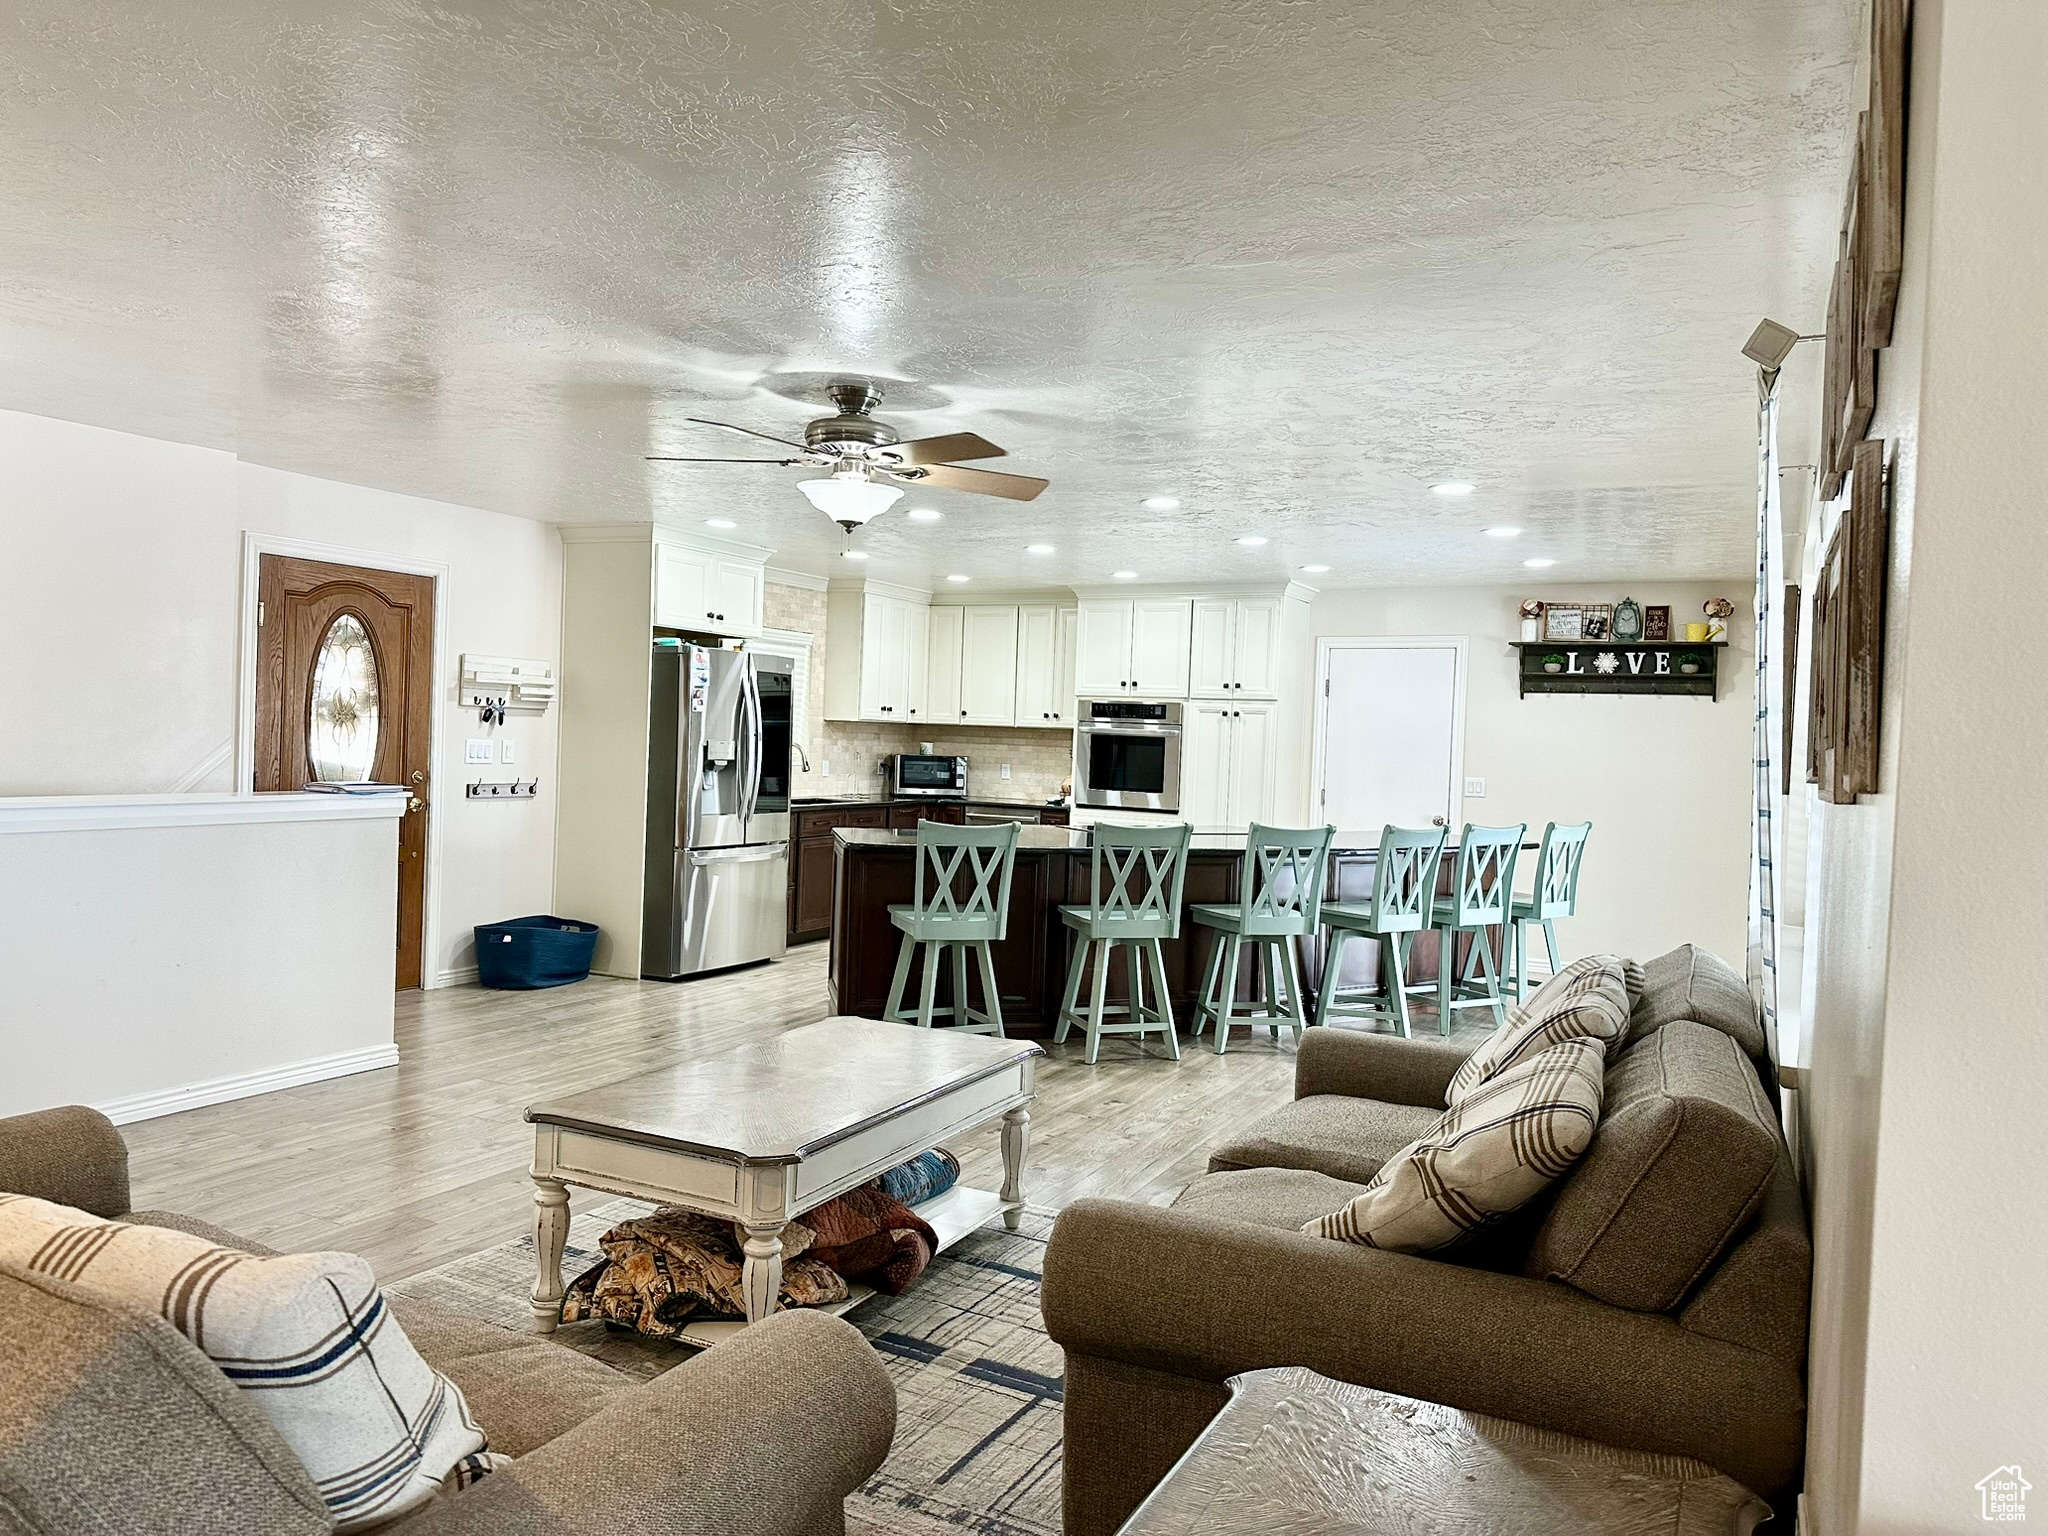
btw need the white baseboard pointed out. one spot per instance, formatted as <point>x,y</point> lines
<point>457,976</point>
<point>168,1101</point>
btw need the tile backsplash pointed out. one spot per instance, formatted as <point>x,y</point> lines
<point>1040,760</point>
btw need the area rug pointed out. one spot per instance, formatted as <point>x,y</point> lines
<point>977,1446</point>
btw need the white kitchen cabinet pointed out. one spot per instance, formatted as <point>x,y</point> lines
<point>706,592</point>
<point>1138,648</point>
<point>1045,692</point>
<point>917,659</point>
<point>1064,713</point>
<point>988,665</point>
<point>1236,648</point>
<point>682,587</point>
<point>942,665</point>
<point>1230,755</point>
<point>738,590</point>
<point>1102,659</point>
<point>876,656</point>
<point>1159,646</point>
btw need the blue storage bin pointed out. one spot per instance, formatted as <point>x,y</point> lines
<point>534,952</point>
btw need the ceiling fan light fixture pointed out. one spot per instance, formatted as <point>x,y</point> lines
<point>849,497</point>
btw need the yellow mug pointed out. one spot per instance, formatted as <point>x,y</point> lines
<point>1695,632</point>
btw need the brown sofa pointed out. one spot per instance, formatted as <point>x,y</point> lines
<point>112,1421</point>
<point>1656,1298</point>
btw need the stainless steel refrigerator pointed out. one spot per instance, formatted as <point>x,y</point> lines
<point>717,811</point>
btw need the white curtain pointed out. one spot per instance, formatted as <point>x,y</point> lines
<point>1763,885</point>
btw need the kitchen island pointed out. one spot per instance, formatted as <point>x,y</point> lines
<point>875,867</point>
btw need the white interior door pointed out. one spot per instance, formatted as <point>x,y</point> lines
<point>1390,728</point>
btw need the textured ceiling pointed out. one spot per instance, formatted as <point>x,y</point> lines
<point>1288,260</point>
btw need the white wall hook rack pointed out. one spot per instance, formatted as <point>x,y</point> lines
<point>518,789</point>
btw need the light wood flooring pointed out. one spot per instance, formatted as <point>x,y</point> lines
<point>424,1162</point>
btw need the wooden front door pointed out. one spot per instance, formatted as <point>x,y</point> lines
<point>345,691</point>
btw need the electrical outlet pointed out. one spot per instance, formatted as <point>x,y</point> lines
<point>1475,788</point>
<point>505,751</point>
<point>825,768</point>
<point>1006,770</point>
<point>477,749</point>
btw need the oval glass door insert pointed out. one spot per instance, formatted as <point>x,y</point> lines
<point>343,714</point>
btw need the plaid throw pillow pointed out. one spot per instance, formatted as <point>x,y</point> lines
<point>307,1335</point>
<point>1587,1000</point>
<point>1511,1136</point>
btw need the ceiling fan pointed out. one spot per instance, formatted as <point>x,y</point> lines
<point>867,461</point>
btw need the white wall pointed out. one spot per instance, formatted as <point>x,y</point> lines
<point>1665,781</point>
<point>172,954</point>
<point>119,612</point>
<point>1924,920</point>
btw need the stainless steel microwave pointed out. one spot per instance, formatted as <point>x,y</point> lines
<point>921,773</point>
<point>1127,755</point>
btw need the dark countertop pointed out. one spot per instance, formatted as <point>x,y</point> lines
<point>1057,840</point>
<point>825,802</point>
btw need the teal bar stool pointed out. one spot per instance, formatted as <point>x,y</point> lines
<point>1403,895</point>
<point>1482,887</point>
<point>1280,902</point>
<point>1135,878</point>
<point>961,904</point>
<point>1556,895</point>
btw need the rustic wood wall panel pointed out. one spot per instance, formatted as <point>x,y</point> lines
<point>1884,173</point>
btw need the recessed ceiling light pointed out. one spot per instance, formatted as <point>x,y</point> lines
<point>924,514</point>
<point>1503,533</point>
<point>957,578</point>
<point>1160,503</point>
<point>1124,575</point>
<point>720,522</point>
<point>1038,549</point>
<point>1315,570</point>
<point>1453,488</point>
<point>1251,540</point>
<point>1537,565</point>
<point>856,554</point>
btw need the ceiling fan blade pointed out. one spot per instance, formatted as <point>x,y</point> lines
<point>984,482</point>
<point>665,458</point>
<point>949,449</point>
<point>749,431</point>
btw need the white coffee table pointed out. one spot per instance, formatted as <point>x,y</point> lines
<point>762,1133</point>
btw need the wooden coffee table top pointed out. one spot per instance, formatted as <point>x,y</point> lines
<point>781,1100</point>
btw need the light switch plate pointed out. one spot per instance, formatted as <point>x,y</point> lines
<point>1476,788</point>
<point>1006,770</point>
<point>477,749</point>
<point>825,768</point>
<point>505,751</point>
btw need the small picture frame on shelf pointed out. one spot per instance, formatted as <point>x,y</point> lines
<point>1657,622</point>
<point>1596,621</point>
<point>1563,623</point>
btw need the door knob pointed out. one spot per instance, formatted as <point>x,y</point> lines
<point>414,803</point>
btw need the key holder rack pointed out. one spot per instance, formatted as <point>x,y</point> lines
<point>518,789</point>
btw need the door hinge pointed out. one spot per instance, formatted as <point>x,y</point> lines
<point>259,615</point>
<point>1326,687</point>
